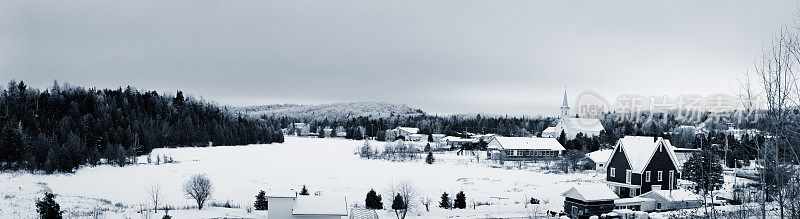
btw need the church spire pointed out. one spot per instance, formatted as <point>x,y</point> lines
<point>565,106</point>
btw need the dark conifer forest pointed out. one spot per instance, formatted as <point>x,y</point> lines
<point>63,127</point>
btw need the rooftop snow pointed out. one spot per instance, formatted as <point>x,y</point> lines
<point>639,150</point>
<point>600,156</point>
<point>526,143</point>
<point>409,129</point>
<point>591,192</point>
<point>677,195</point>
<point>319,205</point>
<point>587,124</point>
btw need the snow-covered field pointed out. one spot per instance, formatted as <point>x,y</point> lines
<point>326,165</point>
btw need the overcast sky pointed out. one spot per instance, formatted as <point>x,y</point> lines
<point>501,57</point>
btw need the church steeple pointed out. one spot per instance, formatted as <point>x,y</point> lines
<point>565,106</point>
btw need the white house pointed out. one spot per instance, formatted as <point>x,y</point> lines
<point>674,199</point>
<point>511,148</point>
<point>599,158</point>
<point>572,126</point>
<point>453,142</point>
<point>404,132</point>
<point>289,205</point>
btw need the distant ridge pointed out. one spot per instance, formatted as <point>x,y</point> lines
<point>332,111</point>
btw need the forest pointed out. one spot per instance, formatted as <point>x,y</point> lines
<point>64,127</point>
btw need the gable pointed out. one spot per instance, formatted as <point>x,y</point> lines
<point>662,159</point>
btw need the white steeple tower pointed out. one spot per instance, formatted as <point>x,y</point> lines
<point>565,107</point>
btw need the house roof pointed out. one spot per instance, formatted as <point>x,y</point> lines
<point>586,124</point>
<point>409,129</point>
<point>633,200</point>
<point>600,156</point>
<point>591,192</point>
<point>281,193</point>
<point>549,129</point>
<point>526,143</point>
<point>675,195</point>
<point>319,205</point>
<point>640,149</point>
<point>458,139</point>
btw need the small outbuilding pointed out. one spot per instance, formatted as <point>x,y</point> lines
<point>289,205</point>
<point>635,204</point>
<point>583,201</point>
<point>674,199</point>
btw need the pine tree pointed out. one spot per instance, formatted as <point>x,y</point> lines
<point>398,205</point>
<point>261,201</point>
<point>304,191</point>
<point>445,202</point>
<point>429,159</point>
<point>705,170</point>
<point>461,200</point>
<point>373,200</point>
<point>48,208</point>
<point>428,147</point>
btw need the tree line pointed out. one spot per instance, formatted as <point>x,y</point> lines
<point>64,127</point>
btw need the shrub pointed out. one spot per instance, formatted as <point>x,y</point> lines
<point>48,208</point>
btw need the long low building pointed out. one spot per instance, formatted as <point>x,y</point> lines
<point>517,148</point>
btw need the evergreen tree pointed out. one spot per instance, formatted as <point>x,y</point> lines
<point>373,200</point>
<point>304,191</point>
<point>48,208</point>
<point>460,201</point>
<point>704,169</point>
<point>261,201</point>
<point>562,138</point>
<point>398,205</point>
<point>427,147</point>
<point>445,202</point>
<point>429,159</point>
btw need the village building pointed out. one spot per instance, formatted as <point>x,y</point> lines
<point>583,201</point>
<point>417,137</point>
<point>571,126</point>
<point>289,205</point>
<point>675,199</point>
<point>300,129</point>
<point>683,154</point>
<point>402,132</point>
<point>523,148</point>
<point>637,203</point>
<point>640,164</point>
<point>454,142</point>
<point>599,159</point>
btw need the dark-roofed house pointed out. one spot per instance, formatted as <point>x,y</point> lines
<point>640,164</point>
<point>583,201</point>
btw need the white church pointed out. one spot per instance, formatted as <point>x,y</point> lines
<point>572,126</point>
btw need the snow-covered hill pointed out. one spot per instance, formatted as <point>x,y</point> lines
<point>332,110</point>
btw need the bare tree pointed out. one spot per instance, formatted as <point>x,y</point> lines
<point>199,188</point>
<point>154,193</point>
<point>408,191</point>
<point>426,201</point>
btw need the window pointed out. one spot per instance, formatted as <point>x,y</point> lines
<point>671,179</point>
<point>613,172</point>
<point>647,176</point>
<point>660,175</point>
<point>628,176</point>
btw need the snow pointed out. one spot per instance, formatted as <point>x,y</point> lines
<point>591,192</point>
<point>515,143</point>
<point>600,156</point>
<point>319,205</point>
<point>326,165</point>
